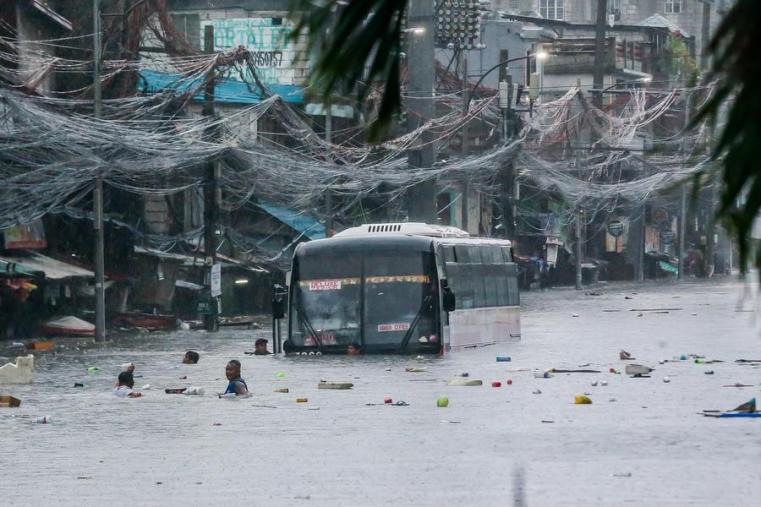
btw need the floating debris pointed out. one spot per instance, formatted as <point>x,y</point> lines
<point>324,384</point>
<point>460,381</point>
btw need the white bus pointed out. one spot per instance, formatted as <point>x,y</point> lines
<point>401,288</point>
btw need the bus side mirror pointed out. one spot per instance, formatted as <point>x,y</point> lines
<point>448,297</point>
<point>278,301</point>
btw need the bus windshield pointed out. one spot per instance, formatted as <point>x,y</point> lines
<point>373,298</point>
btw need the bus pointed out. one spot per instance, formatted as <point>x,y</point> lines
<point>407,288</point>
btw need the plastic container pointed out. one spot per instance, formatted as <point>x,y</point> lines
<point>45,419</point>
<point>503,359</point>
<point>496,383</point>
<point>442,402</point>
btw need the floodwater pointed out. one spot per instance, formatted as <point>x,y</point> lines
<point>642,440</point>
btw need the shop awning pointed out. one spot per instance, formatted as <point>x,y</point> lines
<point>297,221</point>
<point>53,268</point>
<point>12,269</point>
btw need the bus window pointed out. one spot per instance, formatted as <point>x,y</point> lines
<point>463,255</point>
<point>495,254</point>
<point>449,255</point>
<point>325,304</point>
<point>512,291</point>
<point>475,254</point>
<point>503,298</point>
<point>479,294</point>
<point>490,291</point>
<point>398,290</point>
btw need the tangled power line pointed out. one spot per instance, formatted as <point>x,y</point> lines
<point>155,145</point>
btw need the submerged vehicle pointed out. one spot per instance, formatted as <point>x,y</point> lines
<point>400,288</point>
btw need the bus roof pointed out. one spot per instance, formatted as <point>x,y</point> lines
<point>381,242</point>
<point>406,228</point>
<point>441,234</point>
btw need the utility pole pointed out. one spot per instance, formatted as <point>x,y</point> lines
<point>600,60</point>
<point>579,237</point>
<point>509,202</point>
<point>328,191</point>
<point>211,322</point>
<point>705,33</point>
<point>421,198</point>
<point>465,201</point>
<point>683,191</point>
<point>100,295</point>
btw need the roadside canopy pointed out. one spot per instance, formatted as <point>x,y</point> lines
<point>33,263</point>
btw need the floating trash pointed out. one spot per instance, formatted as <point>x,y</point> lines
<point>442,402</point>
<point>503,359</point>
<point>496,383</point>
<point>582,400</point>
<point>459,381</point>
<point>281,390</point>
<point>324,384</point>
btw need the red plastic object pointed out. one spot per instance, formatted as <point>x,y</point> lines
<point>509,381</point>
<point>496,383</point>
<point>387,401</point>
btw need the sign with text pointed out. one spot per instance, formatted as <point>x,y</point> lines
<point>216,280</point>
<point>390,328</point>
<point>27,236</point>
<point>315,285</point>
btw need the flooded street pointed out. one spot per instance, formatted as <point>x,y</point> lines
<point>641,440</point>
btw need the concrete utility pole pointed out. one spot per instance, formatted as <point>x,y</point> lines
<point>210,190</point>
<point>600,60</point>
<point>421,198</point>
<point>100,293</point>
<point>465,200</point>
<point>705,34</point>
<point>683,192</point>
<point>579,235</point>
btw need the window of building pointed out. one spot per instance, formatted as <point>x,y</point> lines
<point>552,9</point>
<point>515,4</point>
<point>673,6</point>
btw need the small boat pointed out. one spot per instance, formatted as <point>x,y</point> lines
<point>68,325</point>
<point>20,372</point>
<point>147,321</point>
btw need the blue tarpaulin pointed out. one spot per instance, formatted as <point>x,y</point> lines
<point>305,224</point>
<point>228,91</point>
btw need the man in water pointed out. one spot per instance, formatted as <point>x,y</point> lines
<point>124,386</point>
<point>236,384</point>
<point>190,357</point>
<point>353,349</point>
<point>260,347</point>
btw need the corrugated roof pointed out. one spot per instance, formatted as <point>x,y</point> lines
<point>659,21</point>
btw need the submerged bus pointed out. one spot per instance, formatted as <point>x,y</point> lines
<point>402,288</point>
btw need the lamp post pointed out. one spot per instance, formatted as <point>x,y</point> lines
<point>540,56</point>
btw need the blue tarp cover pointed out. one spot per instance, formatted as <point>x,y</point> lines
<point>311,228</point>
<point>227,91</point>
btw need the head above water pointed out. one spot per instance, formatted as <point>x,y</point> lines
<point>190,357</point>
<point>126,379</point>
<point>260,345</point>
<point>353,349</point>
<point>232,370</point>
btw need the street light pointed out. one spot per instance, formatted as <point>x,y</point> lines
<point>539,56</point>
